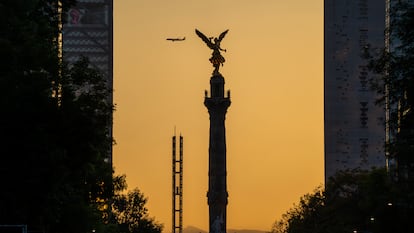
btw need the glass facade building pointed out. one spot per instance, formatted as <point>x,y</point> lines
<point>354,123</point>
<point>88,32</point>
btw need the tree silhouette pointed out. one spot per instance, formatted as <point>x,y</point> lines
<point>54,125</point>
<point>396,86</point>
<point>352,201</point>
<point>131,215</point>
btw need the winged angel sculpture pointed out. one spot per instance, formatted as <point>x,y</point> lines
<point>214,43</point>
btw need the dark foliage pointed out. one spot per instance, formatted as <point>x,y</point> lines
<point>131,215</point>
<point>396,86</point>
<point>353,201</point>
<point>54,124</point>
<point>56,173</point>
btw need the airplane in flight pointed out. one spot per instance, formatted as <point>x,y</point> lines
<point>176,39</point>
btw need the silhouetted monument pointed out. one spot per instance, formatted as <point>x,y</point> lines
<point>217,105</point>
<point>216,58</point>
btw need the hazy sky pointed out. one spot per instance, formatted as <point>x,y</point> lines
<point>274,69</point>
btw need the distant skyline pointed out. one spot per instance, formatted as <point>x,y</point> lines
<point>274,69</point>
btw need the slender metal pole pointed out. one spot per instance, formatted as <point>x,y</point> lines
<point>173,183</point>
<point>181,187</point>
<point>177,186</point>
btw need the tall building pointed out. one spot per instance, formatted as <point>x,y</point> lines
<point>354,123</point>
<point>88,32</point>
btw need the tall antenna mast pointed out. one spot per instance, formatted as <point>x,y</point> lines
<point>177,186</point>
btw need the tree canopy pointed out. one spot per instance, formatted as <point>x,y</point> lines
<point>131,215</point>
<point>352,201</point>
<point>55,173</point>
<point>396,87</point>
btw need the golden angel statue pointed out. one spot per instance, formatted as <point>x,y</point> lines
<point>214,43</point>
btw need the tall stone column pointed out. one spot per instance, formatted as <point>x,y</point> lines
<point>217,195</point>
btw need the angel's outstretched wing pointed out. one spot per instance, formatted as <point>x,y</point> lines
<point>204,38</point>
<point>222,35</point>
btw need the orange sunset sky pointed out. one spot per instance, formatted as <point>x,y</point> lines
<point>274,69</point>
